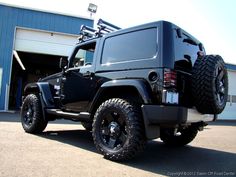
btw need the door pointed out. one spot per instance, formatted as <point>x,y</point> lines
<point>78,82</point>
<point>44,42</point>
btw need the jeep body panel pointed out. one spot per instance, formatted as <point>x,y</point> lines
<point>163,35</point>
<point>43,88</point>
<point>123,60</point>
<point>138,85</point>
<point>157,116</point>
<point>130,85</point>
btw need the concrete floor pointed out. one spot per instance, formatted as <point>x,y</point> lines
<point>68,150</point>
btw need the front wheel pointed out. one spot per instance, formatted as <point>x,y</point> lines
<point>31,115</point>
<point>118,130</point>
<point>178,137</point>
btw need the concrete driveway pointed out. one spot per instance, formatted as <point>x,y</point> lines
<point>68,150</point>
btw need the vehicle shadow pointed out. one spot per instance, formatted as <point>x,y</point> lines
<point>15,117</point>
<point>158,158</point>
<point>79,138</point>
<point>198,161</point>
<point>9,117</point>
<point>223,123</point>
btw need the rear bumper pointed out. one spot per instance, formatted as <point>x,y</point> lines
<point>157,115</point>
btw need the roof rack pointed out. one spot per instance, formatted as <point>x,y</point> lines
<point>86,32</point>
<point>104,27</point>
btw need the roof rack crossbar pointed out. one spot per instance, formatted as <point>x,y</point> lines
<point>87,30</point>
<point>104,27</point>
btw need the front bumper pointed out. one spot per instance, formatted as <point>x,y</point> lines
<point>159,114</point>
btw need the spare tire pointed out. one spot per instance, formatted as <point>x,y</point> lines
<point>210,84</point>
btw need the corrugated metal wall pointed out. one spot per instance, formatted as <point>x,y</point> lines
<point>230,109</point>
<point>10,17</point>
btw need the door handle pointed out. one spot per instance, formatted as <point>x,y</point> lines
<point>88,74</point>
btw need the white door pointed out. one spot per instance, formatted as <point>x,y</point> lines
<point>230,109</point>
<point>44,42</point>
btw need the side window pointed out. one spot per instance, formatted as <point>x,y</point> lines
<point>136,45</point>
<point>83,55</point>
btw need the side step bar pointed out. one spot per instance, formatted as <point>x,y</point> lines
<point>82,116</point>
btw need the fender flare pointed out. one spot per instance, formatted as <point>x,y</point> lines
<point>44,91</point>
<point>139,84</point>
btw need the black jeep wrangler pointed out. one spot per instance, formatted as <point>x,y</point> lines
<point>131,85</point>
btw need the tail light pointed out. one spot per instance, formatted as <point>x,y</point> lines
<point>170,78</point>
<point>170,94</point>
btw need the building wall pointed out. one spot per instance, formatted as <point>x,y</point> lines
<point>230,109</point>
<point>11,17</point>
<point>232,82</point>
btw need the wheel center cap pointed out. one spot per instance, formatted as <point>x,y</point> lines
<point>222,89</point>
<point>114,129</point>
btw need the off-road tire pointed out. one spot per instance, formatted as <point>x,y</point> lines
<point>131,115</point>
<point>87,126</point>
<point>210,84</point>
<point>31,115</point>
<point>170,138</point>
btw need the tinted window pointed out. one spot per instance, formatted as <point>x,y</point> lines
<point>184,49</point>
<point>131,46</point>
<point>83,55</point>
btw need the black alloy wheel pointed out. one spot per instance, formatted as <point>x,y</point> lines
<point>118,129</point>
<point>32,119</point>
<point>178,137</point>
<point>28,112</point>
<point>220,85</point>
<point>113,130</point>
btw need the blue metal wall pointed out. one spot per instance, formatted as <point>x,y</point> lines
<point>10,17</point>
<point>231,67</point>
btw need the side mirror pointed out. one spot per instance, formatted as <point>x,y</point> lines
<point>63,63</point>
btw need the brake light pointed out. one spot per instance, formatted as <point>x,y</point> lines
<point>170,94</point>
<point>170,78</point>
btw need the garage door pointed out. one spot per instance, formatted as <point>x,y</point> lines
<point>230,109</point>
<point>44,42</point>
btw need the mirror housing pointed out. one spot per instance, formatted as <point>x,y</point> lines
<point>63,63</point>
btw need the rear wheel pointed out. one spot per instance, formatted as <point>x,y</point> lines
<point>210,84</point>
<point>178,137</point>
<point>31,115</point>
<point>118,129</point>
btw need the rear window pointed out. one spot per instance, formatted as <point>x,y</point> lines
<point>130,46</point>
<point>185,49</point>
